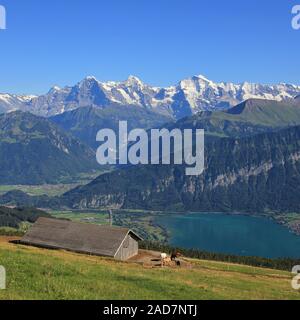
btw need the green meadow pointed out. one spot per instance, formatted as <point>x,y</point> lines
<point>34,273</point>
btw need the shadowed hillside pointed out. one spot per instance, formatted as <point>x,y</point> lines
<point>35,151</point>
<point>257,173</point>
<point>84,123</point>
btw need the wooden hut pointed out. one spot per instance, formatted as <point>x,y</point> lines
<point>119,243</point>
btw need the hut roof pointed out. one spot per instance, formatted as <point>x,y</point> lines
<point>76,236</point>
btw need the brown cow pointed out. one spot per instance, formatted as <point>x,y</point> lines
<point>175,255</point>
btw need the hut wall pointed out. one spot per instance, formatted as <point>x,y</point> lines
<point>128,249</point>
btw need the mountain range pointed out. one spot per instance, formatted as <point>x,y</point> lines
<point>258,174</point>
<point>252,132</point>
<point>252,164</point>
<point>186,98</point>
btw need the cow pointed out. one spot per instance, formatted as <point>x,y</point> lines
<point>174,255</point>
<point>165,260</point>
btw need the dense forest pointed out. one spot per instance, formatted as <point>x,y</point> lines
<point>12,217</point>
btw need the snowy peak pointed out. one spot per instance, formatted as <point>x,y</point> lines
<point>54,89</point>
<point>134,81</point>
<point>189,96</point>
<point>88,81</point>
<point>201,78</point>
<point>12,102</point>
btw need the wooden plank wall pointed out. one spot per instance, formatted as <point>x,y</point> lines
<point>129,248</point>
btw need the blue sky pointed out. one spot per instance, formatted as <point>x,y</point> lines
<point>59,42</point>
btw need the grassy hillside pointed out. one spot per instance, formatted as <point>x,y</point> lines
<point>248,118</point>
<point>34,273</point>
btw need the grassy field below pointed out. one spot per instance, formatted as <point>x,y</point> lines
<point>34,273</point>
<point>51,190</point>
<point>142,222</point>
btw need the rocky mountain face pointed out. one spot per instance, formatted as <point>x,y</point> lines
<point>250,174</point>
<point>252,164</point>
<point>35,151</point>
<point>11,102</point>
<point>186,98</point>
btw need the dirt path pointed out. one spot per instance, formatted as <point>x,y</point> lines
<point>7,239</point>
<point>151,259</point>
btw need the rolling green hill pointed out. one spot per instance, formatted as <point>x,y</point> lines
<point>35,151</point>
<point>250,117</point>
<point>34,273</point>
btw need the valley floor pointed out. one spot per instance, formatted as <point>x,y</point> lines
<point>142,221</point>
<point>34,273</point>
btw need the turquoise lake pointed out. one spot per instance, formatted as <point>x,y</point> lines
<point>231,234</point>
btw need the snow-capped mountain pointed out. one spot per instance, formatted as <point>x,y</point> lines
<point>11,102</point>
<point>188,97</point>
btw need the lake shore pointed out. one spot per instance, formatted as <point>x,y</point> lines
<point>235,233</point>
<point>288,220</point>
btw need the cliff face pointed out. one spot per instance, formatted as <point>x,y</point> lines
<point>256,173</point>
